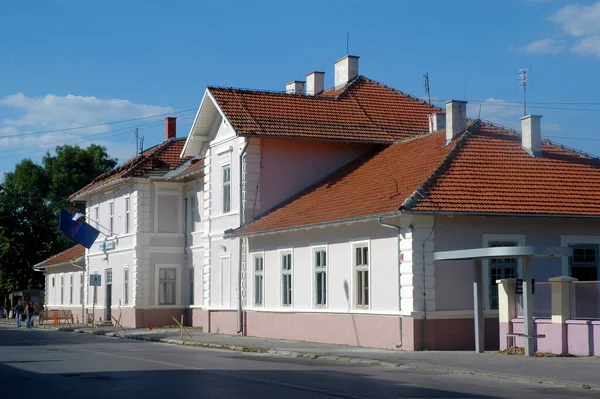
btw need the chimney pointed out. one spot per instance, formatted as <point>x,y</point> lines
<point>295,87</point>
<point>346,69</point>
<point>315,83</point>
<point>531,134</point>
<point>456,119</point>
<point>170,127</point>
<point>437,122</point>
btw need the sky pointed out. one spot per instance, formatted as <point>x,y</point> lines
<point>118,65</point>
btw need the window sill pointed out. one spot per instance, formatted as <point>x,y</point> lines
<point>222,215</point>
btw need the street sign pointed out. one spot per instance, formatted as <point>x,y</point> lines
<point>95,280</point>
<point>519,287</point>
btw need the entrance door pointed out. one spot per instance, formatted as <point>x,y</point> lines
<point>107,313</point>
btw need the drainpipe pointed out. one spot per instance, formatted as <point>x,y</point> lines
<point>400,238</point>
<point>240,311</point>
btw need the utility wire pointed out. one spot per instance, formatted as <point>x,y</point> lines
<point>98,124</point>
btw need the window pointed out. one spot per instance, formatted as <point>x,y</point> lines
<point>286,278</point>
<point>166,286</point>
<point>111,212</point>
<point>320,257</point>
<point>259,280</point>
<point>52,282</point>
<point>108,276</point>
<point>192,213</point>
<point>71,289</point>
<point>192,285</point>
<point>62,290</point>
<point>127,220</point>
<point>584,262</point>
<point>97,216</point>
<point>126,286</point>
<point>81,288</point>
<point>501,269</point>
<point>226,188</point>
<point>361,270</point>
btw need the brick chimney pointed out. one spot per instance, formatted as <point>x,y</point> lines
<point>456,119</point>
<point>170,127</point>
<point>531,134</point>
<point>295,87</point>
<point>345,70</point>
<point>315,83</point>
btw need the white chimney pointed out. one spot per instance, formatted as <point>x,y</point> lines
<point>437,122</point>
<point>531,134</point>
<point>295,87</point>
<point>456,119</point>
<point>315,83</point>
<point>346,69</point>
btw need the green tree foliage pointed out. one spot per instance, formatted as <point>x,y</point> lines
<point>31,197</point>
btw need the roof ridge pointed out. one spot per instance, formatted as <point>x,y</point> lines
<point>421,190</point>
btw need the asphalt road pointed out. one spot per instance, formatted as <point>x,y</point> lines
<point>49,364</point>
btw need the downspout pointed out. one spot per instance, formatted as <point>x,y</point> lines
<point>400,238</point>
<point>240,311</point>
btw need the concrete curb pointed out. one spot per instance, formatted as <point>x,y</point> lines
<point>320,356</point>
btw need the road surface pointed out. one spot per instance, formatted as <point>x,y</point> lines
<point>50,364</point>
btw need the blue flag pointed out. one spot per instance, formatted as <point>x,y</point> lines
<point>78,230</point>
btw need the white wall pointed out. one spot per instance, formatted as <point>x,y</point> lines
<point>53,293</point>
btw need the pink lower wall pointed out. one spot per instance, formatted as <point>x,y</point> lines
<point>575,337</point>
<point>454,334</point>
<point>77,314</point>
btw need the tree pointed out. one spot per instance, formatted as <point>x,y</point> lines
<point>30,200</point>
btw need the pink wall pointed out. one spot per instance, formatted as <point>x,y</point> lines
<point>583,337</point>
<point>288,166</point>
<point>454,334</point>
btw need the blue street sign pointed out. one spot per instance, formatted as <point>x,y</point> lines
<point>95,280</point>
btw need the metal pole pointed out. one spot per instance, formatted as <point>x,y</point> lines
<point>478,307</point>
<point>94,309</point>
<point>527,308</point>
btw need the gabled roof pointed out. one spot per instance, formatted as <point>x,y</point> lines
<point>364,110</point>
<point>156,161</point>
<point>484,171</point>
<point>72,254</point>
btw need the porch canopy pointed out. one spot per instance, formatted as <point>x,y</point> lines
<point>525,253</point>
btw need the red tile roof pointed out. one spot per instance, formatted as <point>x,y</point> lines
<point>364,110</point>
<point>156,160</point>
<point>485,171</point>
<point>66,256</point>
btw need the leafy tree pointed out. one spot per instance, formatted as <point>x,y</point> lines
<point>30,200</point>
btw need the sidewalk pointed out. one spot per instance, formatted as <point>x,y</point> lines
<point>581,372</point>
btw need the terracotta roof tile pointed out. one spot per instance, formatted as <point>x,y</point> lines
<point>364,110</point>
<point>161,158</point>
<point>375,184</point>
<point>484,171</point>
<point>68,255</point>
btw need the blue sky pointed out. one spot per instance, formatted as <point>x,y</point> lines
<point>64,64</point>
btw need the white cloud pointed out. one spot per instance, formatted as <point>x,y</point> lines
<point>588,46</point>
<point>544,46</point>
<point>53,112</point>
<point>579,20</point>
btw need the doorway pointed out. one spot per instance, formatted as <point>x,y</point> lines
<point>107,313</point>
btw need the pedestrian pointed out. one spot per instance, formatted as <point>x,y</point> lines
<point>30,313</point>
<point>19,311</point>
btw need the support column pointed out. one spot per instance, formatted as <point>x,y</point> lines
<point>527,308</point>
<point>507,299</point>
<point>478,307</point>
<point>561,307</point>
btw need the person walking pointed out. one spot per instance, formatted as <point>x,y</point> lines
<point>30,309</point>
<point>18,312</point>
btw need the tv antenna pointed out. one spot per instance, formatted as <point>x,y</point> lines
<point>428,92</point>
<point>141,144</point>
<point>137,144</point>
<point>523,80</point>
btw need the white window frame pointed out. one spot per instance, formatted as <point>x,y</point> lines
<point>62,289</point>
<point>253,257</point>
<point>360,268</point>
<point>157,268</point>
<point>126,279</point>
<point>97,216</point>
<point>283,273</point>
<point>485,264</point>
<point>111,217</point>
<point>567,240</point>
<point>313,251</point>
<point>71,288</point>
<point>225,207</point>
<point>127,206</point>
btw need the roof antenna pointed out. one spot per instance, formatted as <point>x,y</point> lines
<point>426,85</point>
<point>523,80</point>
<point>347,43</point>
<point>142,144</point>
<point>137,144</point>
